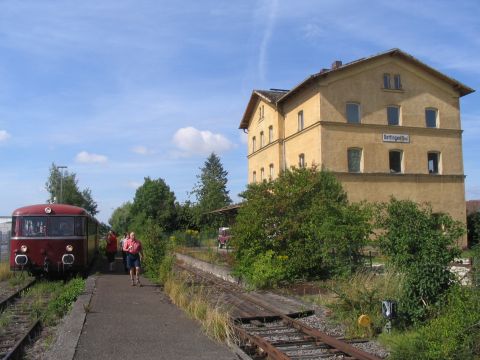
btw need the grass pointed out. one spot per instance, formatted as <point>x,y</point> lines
<point>210,255</point>
<point>358,295</point>
<point>5,272</point>
<point>194,301</point>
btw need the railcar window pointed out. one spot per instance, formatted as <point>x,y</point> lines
<point>80,226</point>
<point>34,226</point>
<point>61,226</point>
<point>14,226</point>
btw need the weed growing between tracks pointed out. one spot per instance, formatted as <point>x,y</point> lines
<point>194,301</point>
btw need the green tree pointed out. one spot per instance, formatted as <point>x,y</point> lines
<point>420,244</point>
<point>63,187</point>
<point>473,228</point>
<point>121,217</point>
<point>211,192</point>
<point>302,218</point>
<point>185,216</point>
<point>154,201</point>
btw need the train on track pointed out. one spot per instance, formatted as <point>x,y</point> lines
<point>55,239</point>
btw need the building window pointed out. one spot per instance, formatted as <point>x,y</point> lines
<point>354,160</point>
<point>300,120</point>
<point>397,82</point>
<point>395,157</point>
<point>393,115</point>
<point>254,176</point>
<point>270,134</point>
<point>262,174</point>
<point>254,144</point>
<point>353,113</point>
<point>262,139</point>
<point>301,160</point>
<point>431,116</point>
<point>271,171</point>
<point>433,161</point>
<point>386,81</point>
<point>261,112</point>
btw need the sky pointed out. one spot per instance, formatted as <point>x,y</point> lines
<point>118,90</point>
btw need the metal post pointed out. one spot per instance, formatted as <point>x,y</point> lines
<point>60,168</point>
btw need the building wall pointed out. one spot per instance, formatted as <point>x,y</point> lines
<point>327,135</point>
<point>444,193</point>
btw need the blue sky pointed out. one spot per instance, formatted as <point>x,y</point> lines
<point>120,90</point>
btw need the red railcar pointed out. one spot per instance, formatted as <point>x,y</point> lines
<point>53,238</point>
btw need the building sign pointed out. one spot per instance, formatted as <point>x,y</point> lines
<point>396,138</point>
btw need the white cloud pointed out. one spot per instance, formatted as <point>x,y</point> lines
<point>141,150</point>
<point>196,142</point>
<point>4,135</point>
<point>85,157</point>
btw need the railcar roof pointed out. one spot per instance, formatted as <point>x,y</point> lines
<point>57,209</point>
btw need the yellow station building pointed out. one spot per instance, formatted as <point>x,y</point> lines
<point>386,125</point>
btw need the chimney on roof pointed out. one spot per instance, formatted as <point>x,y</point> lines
<point>336,64</point>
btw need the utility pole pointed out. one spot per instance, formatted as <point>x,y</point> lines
<point>60,169</point>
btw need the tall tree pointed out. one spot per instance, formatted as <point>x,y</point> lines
<point>121,217</point>
<point>63,187</point>
<point>211,191</point>
<point>154,201</point>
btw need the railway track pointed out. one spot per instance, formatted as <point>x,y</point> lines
<point>284,339</point>
<point>18,325</point>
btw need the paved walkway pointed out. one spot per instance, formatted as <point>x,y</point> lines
<point>131,322</point>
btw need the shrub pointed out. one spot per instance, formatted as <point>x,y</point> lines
<point>453,335</point>
<point>154,244</point>
<point>303,214</point>
<point>420,245</point>
<point>473,228</point>
<point>267,270</point>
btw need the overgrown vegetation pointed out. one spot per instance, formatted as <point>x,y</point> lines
<point>420,245</point>
<point>194,300</point>
<point>473,226</point>
<point>362,294</point>
<point>300,225</point>
<point>5,272</point>
<point>453,334</point>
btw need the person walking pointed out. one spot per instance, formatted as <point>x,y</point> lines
<point>124,253</point>
<point>134,250</point>
<point>111,249</point>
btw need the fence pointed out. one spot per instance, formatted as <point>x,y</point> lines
<point>5,231</point>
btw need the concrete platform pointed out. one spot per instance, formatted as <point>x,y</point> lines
<point>131,322</point>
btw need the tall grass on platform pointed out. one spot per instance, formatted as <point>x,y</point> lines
<point>194,301</point>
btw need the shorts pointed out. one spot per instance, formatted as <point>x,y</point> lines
<point>110,256</point>
<point>133,260</point>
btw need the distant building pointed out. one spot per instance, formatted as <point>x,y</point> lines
<point>386,125</point>
<point>473,206</point>
<point>5,229</point>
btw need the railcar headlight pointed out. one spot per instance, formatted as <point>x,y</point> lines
<point>23,248</point>
<point>69,248</point>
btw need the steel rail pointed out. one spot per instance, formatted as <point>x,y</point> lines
<point>7,301</point>
<point>17,350</point>
<point>317,335</point>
